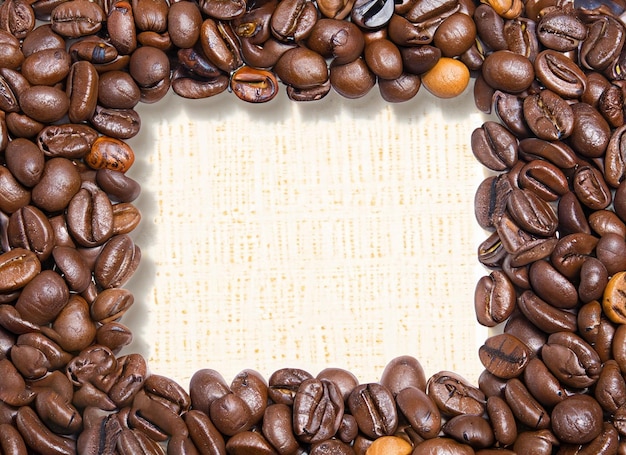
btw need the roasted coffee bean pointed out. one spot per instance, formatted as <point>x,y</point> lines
<point>93,49</point>
<point>588,415</point>
<point>548,115</point>
<point>117,262</point>
<point>317,410</point>
<point>552,286</point>
<point>610,251</point>
<point>441,445</point>
<point>90,216</point>
<point>614,301</point>
<point>39,307</point>
<point>29,228</point>
<point>17,17</point>
<point>203,433</point>
<point>155,418</point>
<point>544,179</point>
<point>470,429</point>
<point>494,299</point>
<point>603,43</point>
<point>206,386</point>
<point>230,414</point>
<point>46,67</point>
<point>25,161</point>
<point>352,80</point>
<point>121,27</point>
<point>525,408</point>
<point>44,104</point>
<point>557,152</point>
<point>542,384</point>
<point>114,336</point>
<point>288,68</point>
<point>532,213</point>
<point>593,280</point>
<point>293,20</point>
<point>37,435</point>
<point>389,444</point>
<point>254,85</point>
<point>494,146</point>
<point>561,31</point>
<point>571,360</point>
<point>150,15</point>
<point>502,420</point>
<point>540,442</point>
<point>117,89</point>
<point>77,18</point>
<point>504,356</point>
<point>340,40</point>
<point>82,91</point>
<point>373,407</point>
<point>420,411</point>
<point>277,428</point>
<point>343,379</point>
<point>402,372</point>
<point>183,24</point>
<point>545,316</point>
<point>220,45</point>
<point>455,35</point>
<point>68,140</point>
<point>591,132</point>
<point>524,330</point>
<point>110,153</point>
<point>508,71</point>
<point>610,390</point>
<point>400,89</point>
<point>510,110</point>
<point>454,395</point>
<point>116,123</point>
<point>58,185</point>
<point>490,27</point>
<point>560,74</point>
<point>418,59</point>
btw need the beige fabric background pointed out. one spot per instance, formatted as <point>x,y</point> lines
<point>337,233</point>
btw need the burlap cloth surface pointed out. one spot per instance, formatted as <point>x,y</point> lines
<point>338,233</point>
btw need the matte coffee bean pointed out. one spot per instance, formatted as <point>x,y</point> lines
<point>587,413</point>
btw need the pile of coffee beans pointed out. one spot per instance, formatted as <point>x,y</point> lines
<point>553,72</point>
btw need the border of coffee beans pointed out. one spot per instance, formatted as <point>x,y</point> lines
<point>555,208</point>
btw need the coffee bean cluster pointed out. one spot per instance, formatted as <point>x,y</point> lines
<point>554,207</point>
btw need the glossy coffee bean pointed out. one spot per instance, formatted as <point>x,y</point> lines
<point>588,415</point>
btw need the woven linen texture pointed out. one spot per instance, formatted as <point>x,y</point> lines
<point>339,233</point>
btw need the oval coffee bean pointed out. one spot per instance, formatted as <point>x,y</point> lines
<point>17,268</point>
<point>29,228</point>
<point>587,414</point>
<point>43,298</point>
<point>548,115</point>
<point>44,104</point>
<point>469,429</point>
<point>402,372</point>
<point>373,407</point>
<point>572,360</point>
<point>420,411</point>
<point>525,408</point>
<point>117,262</point>
<point>504,356</point>
<point>317,410</point>
<point>67,140</point>
<point>532,213</point>
<point>614,299</point>
<point>90,217</point>
<point>110,153</point>
<point>77,18</point>
<point>494,299</point>
<point>454,395</point>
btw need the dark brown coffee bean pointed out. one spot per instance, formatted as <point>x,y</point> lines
<point>525,408</point>
<point>400,89</point>
<point>277,428</point>
<point>293,20</point>
<point>37,435</point>
<point>82,91</point>
<point>544,179</point>
<point>289,68</point>
<point>540,442</point>
<point>46,67</point>
<point>343,379</point>
<point>557,152</point>
<point>455,35</point>
<point>25,161</point>
<point>561,31</point>
<point>508,71</point>
<point>454,395</point>
<point>220,45</point>
<point>610,390</point>
<point>588,416</point>
<point>340,40</point>
<point>402,372</point>
<point>572,360</point>
<point>560,74</point>
<point>420,411</point>
<point>504,356</point>
<point>230,414</point>
<point>17,268</point>
<point>547,318</point>
<point>548,115</point>
<point>373,407</point>
<point>90,217</point>
<point>352,80</point>
<point>41,38</point>
<point>44,104</point>
<point>532,213</point>
<point>29,228</point>
<point>117,262</point>
<point>542,384</point>
<point>58,185</point>
<point>610,250</point>
<point>494,299</point>
<point>552,286</point>
<point>502,420</point>
<point>603,43</point>
<point>73,326</point>
<point>313,397</point>
<point>441,445</point>
<point>203,433</point>
<point>470,429</point>
<point>524,330</point>
<point>41,307</point>
<point>494,146</point>
<point>67,140</point>
<point>77,18</point>
<point>17,17</point>
<point>206,386</point>
<point>591,132</point>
